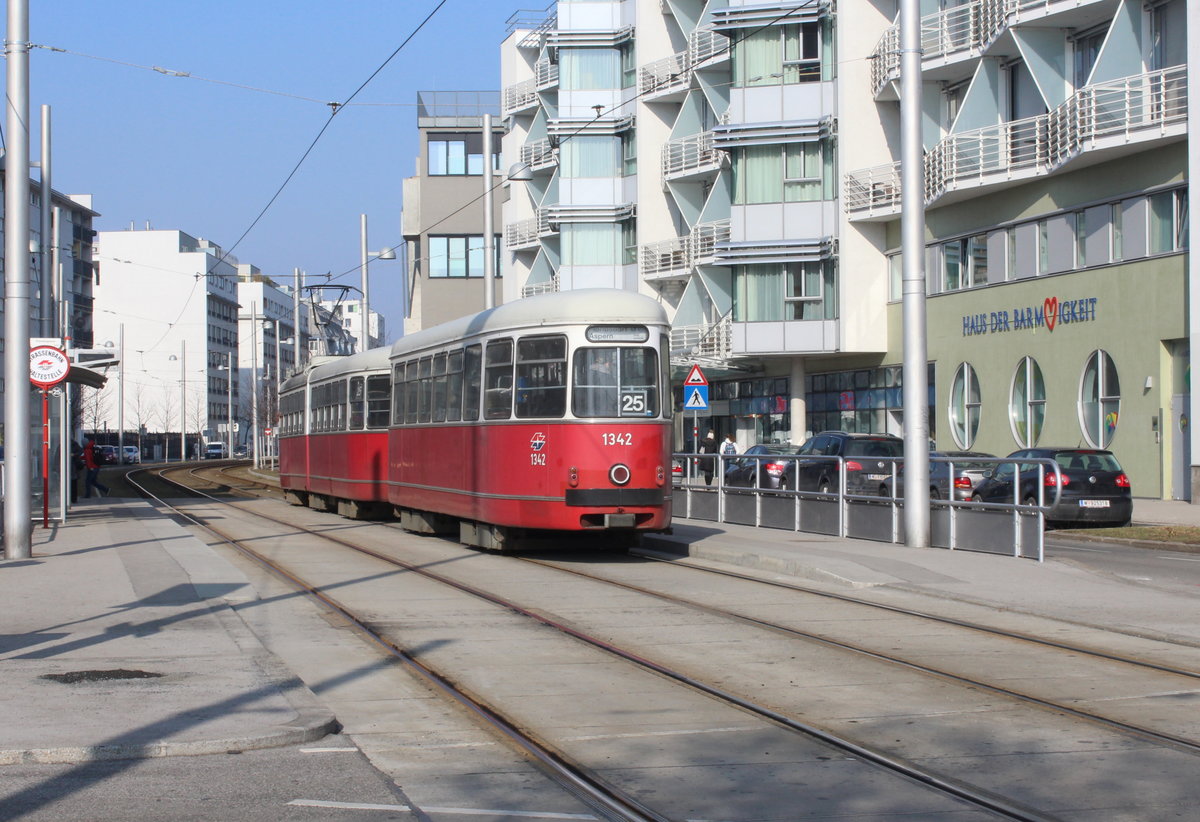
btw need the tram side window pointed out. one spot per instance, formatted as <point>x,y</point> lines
<point>425,372</point>
<point>412,390</point>
<point>454,384</point>
<point>498,380</point>
<point>339,399</point>
<point>358,401</point>
<point>541,377</point>
<point>315,409</point>
<point>439,388</point>
<point>615,382</point>
<point>397,395</point>
<point>377,401</point>
<point>472,381</point>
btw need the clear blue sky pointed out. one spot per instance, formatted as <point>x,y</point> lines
<point>204,157</point>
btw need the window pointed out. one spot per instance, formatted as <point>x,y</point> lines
<point>541,377</point>
<point>1117,217</point>
<point>1168,221</point>
<point>792,172</point>
<point>1099,399</point>
<point>460,153</point>
<point>1027,403</point>
<point>472,381</point>
<point>498,380</point>
<point>778,55</point>
<point>459,256</point>
<point>1087,49</point>
<point>615,382</point>
<point>964,406</point>
<point>377,401</point>
<point>454,386</point>
<point>1043,246</point>
<point>358,399</point>
<point>591,156</point>
<point>425,389</point>
<point>629,152</point>
<point>1080,239</point>
<point>590,68</point>
<point>629,243</point>
<point>439,388</point>
<point>590,243</point>
<point>398,385</point>
<point>784,292</point>
<point>412,391</point>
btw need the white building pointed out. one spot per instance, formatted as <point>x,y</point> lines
<point>266,347</point>
<point>348,314</point>
<point>176,296</point>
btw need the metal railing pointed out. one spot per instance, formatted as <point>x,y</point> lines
<point>705,44</point>
<point>549,287</point>
<point>545,74</point>
<point>667,257</point>
<point>539,154</point>
<point>668,73</point>
<point>1144,105</point>
<point>713,341</point>
<point>519,96</point>
<point>703,490</point>
<point>688,155</point>
<point>527,233</point>
<point>702,242</point>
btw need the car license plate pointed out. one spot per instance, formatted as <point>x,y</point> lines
<point>1093,503</point>
<point>878,477</point>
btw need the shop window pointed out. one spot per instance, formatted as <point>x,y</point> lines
<point>1027,403</point>
<point>1099,399</point>
<point>964,406</point>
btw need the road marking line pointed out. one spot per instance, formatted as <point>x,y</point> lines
<point>1181,559</point>
<point>352,806</point>
<point>338,749</point>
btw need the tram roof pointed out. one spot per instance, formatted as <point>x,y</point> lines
<point>581,306</point>
<point>324,368</point>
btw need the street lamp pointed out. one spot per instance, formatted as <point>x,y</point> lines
<point>365,306</point>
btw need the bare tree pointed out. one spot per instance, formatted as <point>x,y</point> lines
<point>142,411</point>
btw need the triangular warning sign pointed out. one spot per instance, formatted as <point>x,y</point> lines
<point>695,377</point>
<point>696,400</point>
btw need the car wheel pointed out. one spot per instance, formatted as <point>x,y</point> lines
<point>976,498</point>
<point>934,493</point>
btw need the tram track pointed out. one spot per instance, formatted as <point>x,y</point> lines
<point>941,783</point>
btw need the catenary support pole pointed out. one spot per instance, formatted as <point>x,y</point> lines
<point>364,341</point>
<point>121,394</point>
<point>18,501</point>
<point>912,234</point>
<point>183,400</point>
<point>45,268</point>
<point>489,208</point>
<point>297,283</point>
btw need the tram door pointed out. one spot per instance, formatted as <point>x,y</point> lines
<point>1181,451</point>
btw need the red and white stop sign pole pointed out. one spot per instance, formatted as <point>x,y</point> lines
<point>48,366</point>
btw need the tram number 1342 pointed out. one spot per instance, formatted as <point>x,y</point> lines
<point>616,439</point>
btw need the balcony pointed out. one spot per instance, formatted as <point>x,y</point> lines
<point>965,30</point>
<point>528,233</point>
<point>666,76</point>
<point>519,97</point>
<point>539,155</point>
<point>1110,117</point>
<point>705,45</point>
<point>708,341</point>
<point>691,157</point>
<point>548,287</point>
<point>545,75</point>
<point>675,258</point>
<point>665,260</point>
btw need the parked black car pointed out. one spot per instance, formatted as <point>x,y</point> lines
<point>967,474</point>
<point>1095,489</point>
<point>869,460</point>
<point>756,469</point>
<point>106,455</point>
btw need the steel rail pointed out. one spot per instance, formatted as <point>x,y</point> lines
<point>606,799</point>
<point>949,786</point>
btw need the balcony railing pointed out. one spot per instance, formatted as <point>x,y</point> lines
<point>962,28</point>
<point>676,257</point>
<point>672,72</point>
<point>539,154</point>
<point>668,258</point>
<point>545,74</point>
<point>1140,107</point>
<point>527,233</point>
<point>712,341</point>
<point>705,44</point>
<point>548,287</point>
<point>690,155</point>
<point>519,96</point>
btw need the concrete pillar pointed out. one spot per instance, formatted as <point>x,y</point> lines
<point>798,405</point>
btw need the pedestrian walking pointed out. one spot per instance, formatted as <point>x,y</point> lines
<point>708,464</point>
<point>92,463</point>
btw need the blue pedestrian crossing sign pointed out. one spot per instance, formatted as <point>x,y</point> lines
<point>695,397</point>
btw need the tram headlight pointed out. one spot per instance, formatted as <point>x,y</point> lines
<point>620,474</point>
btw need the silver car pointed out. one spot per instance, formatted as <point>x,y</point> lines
<point>967,474</point>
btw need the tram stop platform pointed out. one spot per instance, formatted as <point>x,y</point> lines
<point>121,592</point>
<point>124,592</point>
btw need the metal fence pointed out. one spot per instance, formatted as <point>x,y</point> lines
<point>1013,528</point>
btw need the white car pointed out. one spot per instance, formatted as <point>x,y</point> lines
<point>132,455</point>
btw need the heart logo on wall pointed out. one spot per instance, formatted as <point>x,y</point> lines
<point>1050,310</point>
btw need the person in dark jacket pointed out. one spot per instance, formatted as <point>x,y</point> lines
<point>708,464</point>
<point>91,461</point>
<point>77,467</point>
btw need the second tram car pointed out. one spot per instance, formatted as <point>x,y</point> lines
<point>551,413</point>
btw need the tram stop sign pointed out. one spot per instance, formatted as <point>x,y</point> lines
<point>48,365</point>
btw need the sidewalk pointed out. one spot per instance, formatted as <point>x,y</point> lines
<point>119,642</point>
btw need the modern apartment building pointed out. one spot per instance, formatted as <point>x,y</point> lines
<point>740,161</point>
<point>443,214</point>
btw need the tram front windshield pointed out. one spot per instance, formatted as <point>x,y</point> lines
<point>615,382</point>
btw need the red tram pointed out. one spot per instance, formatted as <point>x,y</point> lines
<point>552,413</point>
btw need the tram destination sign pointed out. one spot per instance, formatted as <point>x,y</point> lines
<point>1051,313</point>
